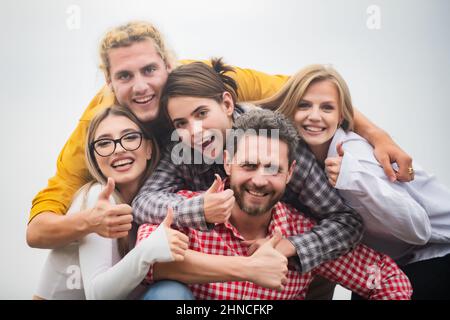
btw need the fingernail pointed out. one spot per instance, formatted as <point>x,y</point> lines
<point>392,178</point>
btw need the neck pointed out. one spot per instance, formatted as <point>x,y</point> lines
<point>321,151</point>
<point>128,191</point>
<point>250,227</point>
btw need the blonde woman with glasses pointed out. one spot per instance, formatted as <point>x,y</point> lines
<point>120,155</point>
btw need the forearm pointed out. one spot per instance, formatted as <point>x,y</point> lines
<point>49,230</point>
<point>151,207</point>
<point>203,268</point>
<point>330,239</point>
<point>369,274</point>
<point>389,282</point>
<point>368,130</point>
<point>105,281</point>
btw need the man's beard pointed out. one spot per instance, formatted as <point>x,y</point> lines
<point>254,210</point>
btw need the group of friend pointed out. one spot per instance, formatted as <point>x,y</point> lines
<point>295,190</point>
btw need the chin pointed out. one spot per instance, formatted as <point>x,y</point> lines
<point>125,179</point>
<point>147,115</point>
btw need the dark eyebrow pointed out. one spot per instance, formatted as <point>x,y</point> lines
<point>192,113</point>
<point>108,136</point>
<point>245,162</point>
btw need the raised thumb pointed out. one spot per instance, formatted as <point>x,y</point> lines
<point>339,149</point>
<point>216,185</point>
<point>276,238</point>
<point>168,220</point>
<point>107,190</point>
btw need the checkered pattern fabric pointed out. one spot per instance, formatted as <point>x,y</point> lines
<point>362,270</point>
<point>339,230</point>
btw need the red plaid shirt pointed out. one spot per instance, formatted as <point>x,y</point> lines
<point>362,270</point>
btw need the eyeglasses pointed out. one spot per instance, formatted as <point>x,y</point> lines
<point>106,147</point>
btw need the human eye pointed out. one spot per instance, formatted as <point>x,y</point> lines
<point>249,166</point>
<point>328,107</point>
<point>104,143</point>
<point>179,124</point>
<point>132,136</point>
<point>123,76</point>
<point>272,169</point>
<point>303,105</point>
<point>202,113</point>
<point>149,70</point>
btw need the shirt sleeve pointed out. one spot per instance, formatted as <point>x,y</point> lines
<point>368,273</point>
<point>387,206</point>
<point>145,231</point>
<point>159,191</point>
<point>103,278</point>
<point>339,228</point>
<point>71,171</point>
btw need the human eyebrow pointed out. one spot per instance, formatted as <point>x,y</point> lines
<point>121,73</point>
<point>150,66</point>
<point>332,102</point>
<point>110,136</point>
<point>192,113</point>
<point>104,136</point>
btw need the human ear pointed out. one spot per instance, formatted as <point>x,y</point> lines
<point>149,150</point>
<point>291,171</point>
<point>228,103</point>
<point>227,162</point>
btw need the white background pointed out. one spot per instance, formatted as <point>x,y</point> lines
<point>399,76</point>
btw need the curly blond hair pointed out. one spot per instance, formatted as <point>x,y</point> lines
<point>132,32</point>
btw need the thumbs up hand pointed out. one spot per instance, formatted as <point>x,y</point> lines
<point>217,203</point>
<point>333,165</point>
<point>268,266</point>
<point>178,242</point>
<point>106,219</point>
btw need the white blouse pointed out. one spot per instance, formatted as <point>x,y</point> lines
<point>91,268</point>
<point>408,221</point>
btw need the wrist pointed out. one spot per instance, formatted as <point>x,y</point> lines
<point>82,222</point>
<point>377,136</point>
<point>287,248</point>
<point>242,268</point>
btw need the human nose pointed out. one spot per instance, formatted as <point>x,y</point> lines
<point>118,148</point>
<point>140,85</point>
<point>314,114</point>
<point>259,179</point>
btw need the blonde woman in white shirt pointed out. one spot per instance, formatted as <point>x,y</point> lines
<point>121,155</point>
<point>408,221</point>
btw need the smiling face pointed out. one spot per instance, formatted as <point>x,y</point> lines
<point>202,122</point>
<point>125,167</point>
<point>137,76</point>
<point>259,172</point>
<point>317,116</point>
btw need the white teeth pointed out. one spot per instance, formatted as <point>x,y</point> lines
<point>314,129</point>
<point>143,99</point>
<point>121,163</point>
<point>258,194</point>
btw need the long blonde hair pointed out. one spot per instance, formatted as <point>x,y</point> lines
<point>94,169</point>
<point>288,98</point>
